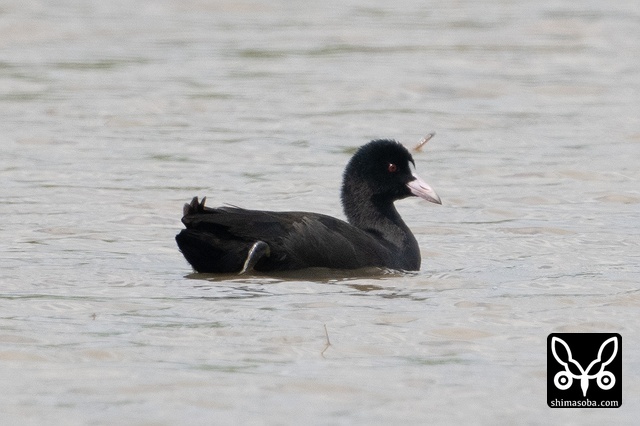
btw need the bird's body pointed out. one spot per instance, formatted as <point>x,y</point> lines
<point>218,240</point>
<point>233,240</point>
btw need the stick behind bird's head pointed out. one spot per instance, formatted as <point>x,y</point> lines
<point>423,142</point>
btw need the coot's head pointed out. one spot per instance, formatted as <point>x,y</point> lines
<point>381,170</point>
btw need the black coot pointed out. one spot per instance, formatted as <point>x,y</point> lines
<point>230,239</point>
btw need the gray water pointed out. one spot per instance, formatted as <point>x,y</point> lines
<point>116,113</point>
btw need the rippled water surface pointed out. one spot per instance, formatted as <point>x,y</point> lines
<point>116,113</point>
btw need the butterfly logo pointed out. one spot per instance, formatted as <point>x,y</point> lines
<point>564,379</point>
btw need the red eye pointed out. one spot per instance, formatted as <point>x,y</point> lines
<point>392,168</point>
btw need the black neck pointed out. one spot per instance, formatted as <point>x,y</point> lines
<point>377,216</point>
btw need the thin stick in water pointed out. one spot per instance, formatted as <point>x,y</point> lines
<point>326,334</point>
<point>423,141</point>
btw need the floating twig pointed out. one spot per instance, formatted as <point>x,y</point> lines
<point>423,141</point>
<point>326,334</point>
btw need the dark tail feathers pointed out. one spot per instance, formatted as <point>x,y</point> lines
<point>194,206</point>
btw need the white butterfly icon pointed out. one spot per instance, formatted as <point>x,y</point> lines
<point>564,379</point>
